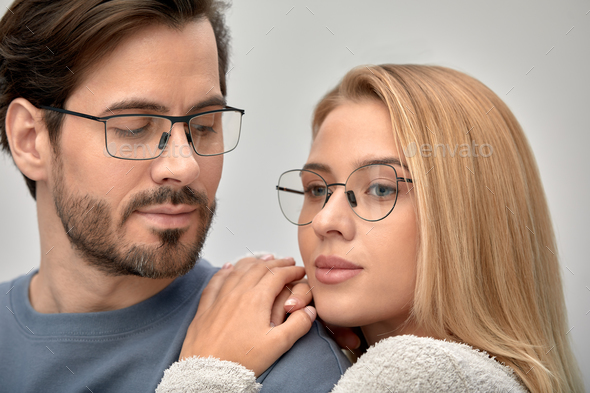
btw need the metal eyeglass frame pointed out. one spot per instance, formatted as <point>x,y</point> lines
<point>350,197</point>
<point>173,119</point>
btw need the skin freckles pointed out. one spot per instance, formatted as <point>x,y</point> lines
<point>378,298</point>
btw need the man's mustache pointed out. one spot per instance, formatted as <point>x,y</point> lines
<point>185,196</point>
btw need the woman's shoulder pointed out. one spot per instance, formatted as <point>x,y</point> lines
<point>410,363</point>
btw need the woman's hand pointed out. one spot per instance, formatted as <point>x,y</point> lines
<point>233,321</point>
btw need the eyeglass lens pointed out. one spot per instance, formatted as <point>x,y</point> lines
<point>371,192</point>
<point>144,137</point>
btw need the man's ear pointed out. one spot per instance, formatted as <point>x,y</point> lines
<point>28,139</point>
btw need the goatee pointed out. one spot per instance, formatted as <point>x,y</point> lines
<point>91,229</point>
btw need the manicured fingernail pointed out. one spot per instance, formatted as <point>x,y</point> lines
<point>227,266</point>
<point>310,312</point>
<point>290,259</point>
<point>290,302</point>
<point>267,257</point>
<point>272,324</point>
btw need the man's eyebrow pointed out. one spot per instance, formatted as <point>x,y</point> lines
<point>313,166</point>
<point>139,104</point>
<point>213,101</point>
<point>134,104</point>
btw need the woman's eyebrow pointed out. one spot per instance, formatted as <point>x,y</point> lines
<point>314,166</point>
<point>383,160</point>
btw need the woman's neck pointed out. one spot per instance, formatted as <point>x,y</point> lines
<point>379,330</point>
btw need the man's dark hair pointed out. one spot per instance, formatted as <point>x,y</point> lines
<point>47,47</point>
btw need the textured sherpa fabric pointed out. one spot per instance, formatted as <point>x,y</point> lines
<point>422,364</point>
<point>395,364</point>
<point>208,375</point>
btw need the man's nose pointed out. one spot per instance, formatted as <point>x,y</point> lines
<point>178,162</point>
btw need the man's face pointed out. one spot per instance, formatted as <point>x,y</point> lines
<point>147,218</point>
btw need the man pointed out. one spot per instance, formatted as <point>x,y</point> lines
<point>115,113</point>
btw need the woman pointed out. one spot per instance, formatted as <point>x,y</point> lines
<point>422,220</point>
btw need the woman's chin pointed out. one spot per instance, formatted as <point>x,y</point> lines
<point>338,316</point>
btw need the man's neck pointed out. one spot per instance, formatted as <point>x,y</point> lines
<point>58,289</point>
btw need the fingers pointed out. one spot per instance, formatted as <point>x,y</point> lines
<point>301,296</point>
<point>277,314</point>
<point>295,327</point>
<point>272,284</point>
<point>265,279</point>
<point>247,272</point>
<point>235,313</point>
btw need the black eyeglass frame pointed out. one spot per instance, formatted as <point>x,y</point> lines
<point>350,197</point>
<point>173,119</point>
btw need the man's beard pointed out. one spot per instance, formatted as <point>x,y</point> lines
<point>89,223</point>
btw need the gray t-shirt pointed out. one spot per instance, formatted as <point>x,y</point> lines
<point>128,350</point>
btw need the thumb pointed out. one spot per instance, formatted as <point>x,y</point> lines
<point>295,327</point>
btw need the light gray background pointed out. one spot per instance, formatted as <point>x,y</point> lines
<point>287,54</point>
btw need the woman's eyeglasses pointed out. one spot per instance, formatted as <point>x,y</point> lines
<point>371,192</point>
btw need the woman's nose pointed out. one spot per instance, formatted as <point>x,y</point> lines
<point>336,217</point>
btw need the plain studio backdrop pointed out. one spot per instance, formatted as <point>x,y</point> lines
<point>287,54</point>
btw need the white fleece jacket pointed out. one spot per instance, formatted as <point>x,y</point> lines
<point>395,364</point>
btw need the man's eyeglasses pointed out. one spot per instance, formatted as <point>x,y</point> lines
<point>371,192</point>
<point>144,137</point>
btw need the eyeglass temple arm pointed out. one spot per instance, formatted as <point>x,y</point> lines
<point>242,111</point>
<point>290,190</point>
<point>67,112</point>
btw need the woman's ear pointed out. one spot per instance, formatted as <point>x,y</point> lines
<point>28,139</point>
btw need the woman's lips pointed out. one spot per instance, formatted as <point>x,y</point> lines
<point>331,269</point>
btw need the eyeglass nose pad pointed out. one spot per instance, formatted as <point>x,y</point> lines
<point>328,195</point>
<point>163,140</point>
<point>351,198</point>
<point>189,137</point>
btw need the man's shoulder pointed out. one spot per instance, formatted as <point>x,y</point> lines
<point>315,363</point>
<point>7,288</point>
<point>96,345</point>
<point>10,283</point>
<point>198,277</point>
<point>203,270</point>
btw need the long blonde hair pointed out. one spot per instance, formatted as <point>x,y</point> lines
<point>487,269</point>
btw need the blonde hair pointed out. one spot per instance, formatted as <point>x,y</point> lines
<point>487,269</point>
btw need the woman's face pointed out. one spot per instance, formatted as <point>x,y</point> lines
<point>378,291</point>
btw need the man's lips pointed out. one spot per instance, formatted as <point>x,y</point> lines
<point>331,269</point>
<point>167,216</point>
<point>167,209</point>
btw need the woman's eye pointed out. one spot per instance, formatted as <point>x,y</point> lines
<point>381,190</point>
<point>316,191</point>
